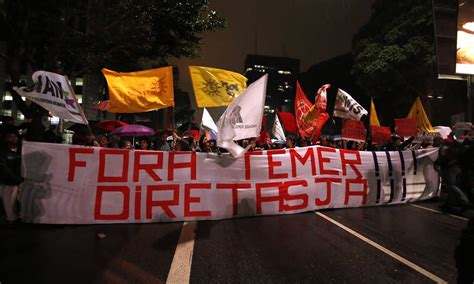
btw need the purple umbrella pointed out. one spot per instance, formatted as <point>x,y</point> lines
<point>134,130</point>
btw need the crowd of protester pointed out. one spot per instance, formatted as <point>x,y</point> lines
<point>455,163</point>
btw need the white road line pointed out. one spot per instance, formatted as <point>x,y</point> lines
<point>385,250</point>
<point>440,212</point>
<point>180,270</point>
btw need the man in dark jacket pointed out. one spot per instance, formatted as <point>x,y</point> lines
<point>10,173</point>
<point>450,171</point>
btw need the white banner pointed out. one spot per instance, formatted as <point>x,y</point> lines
<point>53,92</point>
<point>68,184</point>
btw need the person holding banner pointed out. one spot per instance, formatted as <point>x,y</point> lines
<point>10,173</point>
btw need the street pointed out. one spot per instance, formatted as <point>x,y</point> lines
<point>405,243</point>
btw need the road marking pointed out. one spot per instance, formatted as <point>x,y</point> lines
<point>440,212</point>
<point>385,250</point>
<point>180,270</point>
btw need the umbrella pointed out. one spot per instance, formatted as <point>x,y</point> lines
<point>134,130</point>
<point>110,125</point>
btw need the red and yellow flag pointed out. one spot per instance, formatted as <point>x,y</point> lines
<point>311,118</point>
<point>140,91</point>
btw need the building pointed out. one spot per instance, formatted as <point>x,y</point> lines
<point>282,73</point>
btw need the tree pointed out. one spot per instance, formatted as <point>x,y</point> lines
<point>394,55</point>
<point>82,36</point>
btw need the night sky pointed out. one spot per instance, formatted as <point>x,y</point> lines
<point>308,30</point>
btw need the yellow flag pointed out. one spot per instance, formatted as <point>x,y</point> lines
<point>374,119</point>
<point>140,91</point>
<point>418,113</point>
<point>216,87</point>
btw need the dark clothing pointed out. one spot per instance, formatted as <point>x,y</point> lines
<point>10,166</point>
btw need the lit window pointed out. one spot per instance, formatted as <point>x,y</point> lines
<point>79,82</point>
<point>54,120</point>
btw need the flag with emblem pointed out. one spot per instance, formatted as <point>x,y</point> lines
<point>243,117</point>
<point>216,87</point>
<point>140,91</point>
<point>316,116</point>
<point>54,93</point>
<point>302,106</point>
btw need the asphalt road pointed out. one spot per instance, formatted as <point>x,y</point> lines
<point>406,243</point>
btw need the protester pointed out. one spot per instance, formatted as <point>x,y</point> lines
<point>127,144</point>
<point>104,141</point>
<point>181,145</point>
<point>162,143</point>
<point>8,122</point>
<point>144,143</point>
<point>10,172</point>
<point>290,141</point>
<point>51,136</point>
<point>448,166</point>
<point>114,141</point>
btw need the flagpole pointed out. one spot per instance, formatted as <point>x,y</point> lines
<point>80,108</point>
<point>174,127</point>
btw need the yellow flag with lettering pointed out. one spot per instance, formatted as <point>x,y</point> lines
<point>216,87</point>
<point>140,91</point>
<point>374,119</point>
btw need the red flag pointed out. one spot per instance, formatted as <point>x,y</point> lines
<point>288,121</point>
<point>312,120</point>
<point>264,132</point>
<point>302,106</point>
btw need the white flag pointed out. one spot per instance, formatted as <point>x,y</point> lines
<point>208,122</point>
<point>243,117</point>
<point>53,92</point>
<point>277,129</point>
<point>347,107</point>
